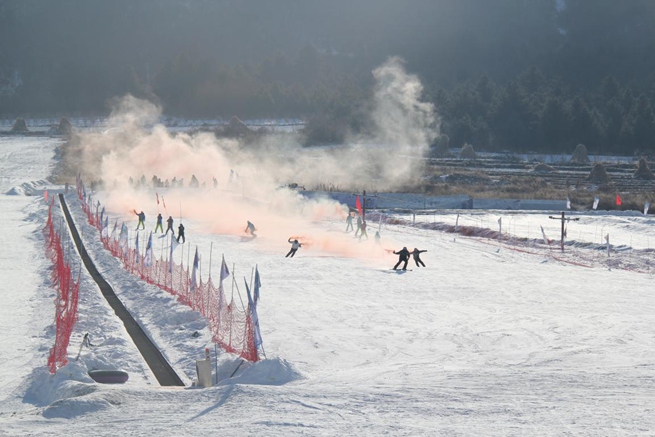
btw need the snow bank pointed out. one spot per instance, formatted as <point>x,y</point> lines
<point>70,381</point>
<point>276,371</point>
<point>27,189</point>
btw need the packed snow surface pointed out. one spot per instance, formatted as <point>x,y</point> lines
<point>495,336</point>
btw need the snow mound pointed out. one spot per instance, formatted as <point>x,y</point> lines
<point>73,407</point>
<point>275,371</point>
<point>70,381</point>
<point>16,191</point>
<point>27,189</point>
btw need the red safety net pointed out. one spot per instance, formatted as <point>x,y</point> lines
<point>67,295</point>
<point>231,326</point>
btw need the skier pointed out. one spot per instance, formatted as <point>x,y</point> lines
<point>403,255</point>
<point>363,233</point>
<point>250,228</point>
<point>180,233</point>
<point>295,245</point>
<point>142,220</point>
<point>377,237</point>
<point>169,221</point>
<point>349,222</point>
<point>359,225</point>
<point>417,259</point>
<point>159,225</point>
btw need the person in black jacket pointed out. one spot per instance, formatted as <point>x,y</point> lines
<point>403,255</point>
<point>250,228</point>
<point>170,226</point>
<point>180,233</point>
<point>417,259</point>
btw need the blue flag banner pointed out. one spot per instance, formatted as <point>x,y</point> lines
<point>258,285</point>
<point>196,263</point>
<point>136,244</point>
<point>224,270</point>
<point>148,258</point>
<point>252,307</point>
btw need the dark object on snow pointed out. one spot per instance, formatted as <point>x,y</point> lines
<point>109,376</point>
<point>195,334</point>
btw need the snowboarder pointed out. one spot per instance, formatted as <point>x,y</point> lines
<point>159,224</point>
<point>417,259</point>
<point>403,255</point>
<point>362,228</point>
<point>142,219</point>
<point>295,245</point>
<point>349,222</point>
<point>250,228</point>
<point>169,221</point>
<point>180,233</point>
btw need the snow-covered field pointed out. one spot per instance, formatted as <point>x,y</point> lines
<point>506,337</point>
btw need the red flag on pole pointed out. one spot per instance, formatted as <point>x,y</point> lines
<point>358,204</point>
<point>157,194</point>
<point>618,200</point>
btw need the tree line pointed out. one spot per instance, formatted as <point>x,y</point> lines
<point>503,75</point>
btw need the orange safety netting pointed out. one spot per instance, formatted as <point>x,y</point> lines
<point>232,327</point>
<point>67,295</point>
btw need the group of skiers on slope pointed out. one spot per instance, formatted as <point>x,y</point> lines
<point>180,229</point>
<point>361,227</point>
<point>295,244</point>
<point>403,254</point>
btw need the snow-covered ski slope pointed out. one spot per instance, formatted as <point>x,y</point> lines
<point>485,340</point>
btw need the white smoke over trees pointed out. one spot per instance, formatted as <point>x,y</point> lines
<point>135,145</point>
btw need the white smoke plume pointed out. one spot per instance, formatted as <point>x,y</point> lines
<point>249,176</point>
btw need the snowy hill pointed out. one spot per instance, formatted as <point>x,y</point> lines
<point>495,336</point>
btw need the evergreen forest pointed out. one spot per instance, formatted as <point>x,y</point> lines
<point>503,75</point>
